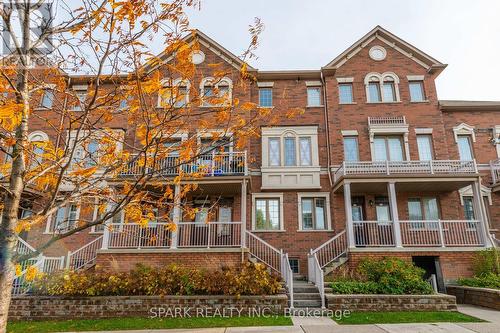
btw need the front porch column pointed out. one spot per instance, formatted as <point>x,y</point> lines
<point>243,212</point>
<point>177,216</point>
<point>348,215</point>
<point>393,205</point>
<point>478,207</point>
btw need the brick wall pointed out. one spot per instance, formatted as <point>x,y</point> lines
<point>489,298</point>
<point>58,308</point>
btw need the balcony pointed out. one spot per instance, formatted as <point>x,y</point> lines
<point>387,121</point>
<point>438,233</point>
<point>187,235</point>
<point>495,174</point>
<point>214,164</point>
<point>405,168</point>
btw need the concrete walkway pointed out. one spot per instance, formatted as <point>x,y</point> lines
<point>326,325</point>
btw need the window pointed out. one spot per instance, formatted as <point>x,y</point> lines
<point>469,208</point>
<point>47,99</point>
<point>294,265</point>
<point>424,143</point>
<point>389,90</point>
<point>305,151</point>
<point>351,152</point>
<point>81,96</point>
<point>374,90</point>
<point>345,93</point>
<point>382,87</point>
<point>290,150</point>
<point>388,148</point>
<point>38,141</point>
<point>423,209</point>
<point>266,97</point>
<point>417,91</point>
<point>382,209</point>
<point>274,152</point>
<point>223,87</point>
<point>267,214</point>
<point>66,218</point>
<point>91,157</point>
<point>465,147</point>
<point>174,93</point>
<point>313,96</point>
<point>313,213</point>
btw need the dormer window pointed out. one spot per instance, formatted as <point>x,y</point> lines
<point>382,87</point>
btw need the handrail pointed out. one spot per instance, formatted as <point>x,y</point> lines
<point>22,245</point>
<point>332,249</point>
<point>316,275</point>
<point>287,274</point>
<point>264,251</point>
<point>495,171</point>
<point>84,255</point>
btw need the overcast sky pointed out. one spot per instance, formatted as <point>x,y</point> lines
<point>307,34</point>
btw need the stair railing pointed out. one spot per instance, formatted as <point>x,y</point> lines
<point>316,275</point>
<point>332,249</point>
<point>84,255</point>
<point>287,274</point>
<point>264,251</point>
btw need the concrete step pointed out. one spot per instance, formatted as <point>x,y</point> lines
<point>306,296</point>
<point>306,303</point>
<point>305,289</point>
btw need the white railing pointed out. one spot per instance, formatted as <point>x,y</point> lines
<point>332,249</point>
<point>84,256</point>
<point>22,247</point>
<point>212,164</point>
<point>211,234</point>
<point>43,264</point>
<point>442,233</point>
<point>135,236</point>
<point>495,171</point>
<point>387,121</point>
<point>434,167</point>
<point>315,275</point>
<point>264,251</point>
<point>287,275</point>
<point>373,233</point>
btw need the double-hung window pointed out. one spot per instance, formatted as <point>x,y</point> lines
<point>81,96</point>
<point>465,147</point>
<point>388,148</point>
<point>374,94</point>
<point>345,93</point>
<point>423,209</point>
<point>313,212</point>
<point>267,214</point>
<point>417,93</point>
<point>266,97</point>
<point>65,218</point>
<point>313,96</point>
<point>47,99</point>
<point>351,151</point>
<point>424,143</point>
<point>389,90</point>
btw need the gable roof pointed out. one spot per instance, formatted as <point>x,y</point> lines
<point>209,43</point>
<point>392,41</point>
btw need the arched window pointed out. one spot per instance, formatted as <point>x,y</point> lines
<point>382,87</point>
<point>38,140</point>
<point>174,93</point>
<point>210,86</point>
<point>296,150</point>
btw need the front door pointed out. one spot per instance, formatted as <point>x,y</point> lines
<point>225,231</point>
<point>384,234</point>
<point>357,218</point>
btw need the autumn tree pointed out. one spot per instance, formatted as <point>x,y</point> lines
<point>104,45</point>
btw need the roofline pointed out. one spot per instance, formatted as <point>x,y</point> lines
<point>289,74</point>
<point>458,105</point>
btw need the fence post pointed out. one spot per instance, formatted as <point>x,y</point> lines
<point>105,237</point>
<point>441,233</point>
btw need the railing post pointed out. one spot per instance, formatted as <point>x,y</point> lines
<point>174,238</point>
<point>68,256</point>
<point>243,211</point>
<point>391,188</point>
<point>431,165</point>
<point>441,233</point>
<point>348,213</point>
<point>105,237</point>
<point>387,167</point>
<point>213,163</point>
<point>246,163</point>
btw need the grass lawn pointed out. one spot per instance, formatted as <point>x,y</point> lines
<point>141,323</point>
<point>406,317</point>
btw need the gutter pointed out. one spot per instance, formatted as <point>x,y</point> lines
<point>327,129</point>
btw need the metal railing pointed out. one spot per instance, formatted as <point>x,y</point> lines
<point>264,251</point>
<point>433,167</point>
<point>21,285</point>
<point>84,256</point>
<point>287,275</point>
<point>209,165</point>
<point>373,233</point>
<point>135,236</point>
<point>22,247</point>
<point>331,249</point>
<point>316,275</point>
<point>211,234</point>
<point>387,121</point>
<point>495,171</point>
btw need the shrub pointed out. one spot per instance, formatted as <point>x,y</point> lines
<point>489,280</point>
<point>486,262</point>
<point>248,279</point>
<point>387,276</point>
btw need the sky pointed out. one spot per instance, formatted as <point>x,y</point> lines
<point>308,34</point>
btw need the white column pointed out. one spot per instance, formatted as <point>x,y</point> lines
<point>243,212</point>
<point>348,215</point>
<point>479,212</point>
<point>105,237</point>
<point>393,204</point>
<point>177,216</point>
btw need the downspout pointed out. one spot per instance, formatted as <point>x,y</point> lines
<point>325,107</point>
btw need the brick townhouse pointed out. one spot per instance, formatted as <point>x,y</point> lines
<point>375,166</point>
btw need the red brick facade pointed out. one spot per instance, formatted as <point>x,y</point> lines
<point>289,90</point>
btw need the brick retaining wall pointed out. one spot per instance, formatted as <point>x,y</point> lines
<point>54,307</point>
<point>437,302</point>
<point>489,298</point>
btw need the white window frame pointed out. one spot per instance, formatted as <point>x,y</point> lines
<point>223,81</point>
<point>272,97</point>
<point>350,134</point>
<point>314,85</point>
<point>464,129</point>
<point>207,134</point>
<point>78,90</point>
<point>381,79</point>
<point>96,214</point>
<point>170,83</point>
<point>326,196</point>
<point>51,219</point>
<point>276,195</point>
<point>496,138</point>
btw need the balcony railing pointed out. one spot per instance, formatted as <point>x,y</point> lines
<point>495,171</point>
<point>387,168</point>
<point>387,121</point>
<point>212,164</point>
<point>435,233</point>
<point>159,235</point>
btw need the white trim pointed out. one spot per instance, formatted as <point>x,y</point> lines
<point>423,130</point>
<point>464,129</point>
<point>313,83</point>
<point>209,81</point>
<point>467,192</point>
<point>345,79</point>
<point>381,78</point>
<point>180,82</point>
<point>265,84</point>
<point>325,195</point>
<point>377,48</point>
<point>349,132</point>
<point>207,134</point>
<point>415,77</point>
<point>496,138</point>
<point>33,134</point>
<point>268,196</point>
<point>80,87</point>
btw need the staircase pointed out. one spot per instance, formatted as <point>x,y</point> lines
<point>84,257</point>
<point>306,294</point>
